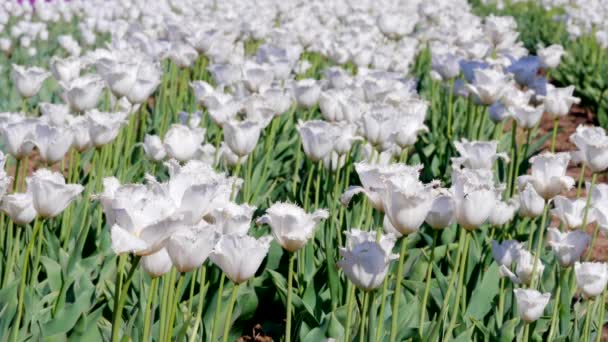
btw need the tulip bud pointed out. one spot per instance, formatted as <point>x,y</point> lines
<point>569,246</point>
<point>239,257</point>
<point>241,137</point>
<point>531,304</point>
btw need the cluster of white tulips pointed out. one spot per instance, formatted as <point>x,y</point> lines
<point>167,146</point>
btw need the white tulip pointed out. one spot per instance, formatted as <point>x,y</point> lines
<point>156,264</point>
<point>558,101</point>
<point>571,211</point>
<point>548,174</point>
<point>591,278</point>
<point>592,143</point>
<point>182,142</point>
<point>189,248</point>
<point>487,86</point>
<point>531,304</point>
<point>527,116</point>
<point>83,93</point>
<point>291,226</point>
<point>51,195</point>
<point>531,204</point>
<point>318,138</point>
<point>503,212</point>
<point>441,214</point>
<point>239,257</point>
<point>550,56</point>
<point>65,69</point>
<point>232,218</point>
<point>407,202</point>
<point>474,195</point>
<point>154,148</point>
<point>52,142</point>
<point>242,137</point>
<point>568,246</point>
<point>524,269</point>
<point>307,92</point>
<point>18,137</point>
<point>19,207</point>
<point>507,252</point>
<point>104,127</point>
<point>28,81</point>
<point>366,264</point>
<point>477,154</point>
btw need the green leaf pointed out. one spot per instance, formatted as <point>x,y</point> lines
<point>482,297</point>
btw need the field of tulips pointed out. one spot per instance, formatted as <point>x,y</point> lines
<point>307,170</point>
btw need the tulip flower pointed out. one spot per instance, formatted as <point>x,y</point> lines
<point>550,56</point>
<point>52,142</point>
<point>474,196</point>
<point>104,127</point>
<point>18,137</point>
<point>242,137</point>
<point>55,114</point>
<point>121,77</point>
<point>154,148</point>
<point>232,218</point>
<point>79,127</point>
<point>318,138</point>
<point>157,264</point>
<point>182,142</point>
<point>406,129</point>
<point>65,69</point>
<point>446,65</point>
<point>591,278</point>
<point>477,154</point>
<point>507,252</point>
<point>527,116</point>
<point>50,194</point>
<point>189,248</point>
<point>19,207</point>
<point>441,214</point>
<point>28,81</point>
<point>531,204</point>
<point>503,212</point>
<point>347,135</point>
<point>570,212</point>
<point>366,264</point>
<point>407,202</point>
<point>531,304</point>
<point>83,93</point>
<point>377,127</point>
<point>548,174</point>
<point>291,226</point>
<point>524,70</point>
<point>146,82</point>
<point>592,143</point>
<point>568,246</point>
<point>487,86</point>
<point>239,257</point>
<point>558,101</point>
<point>524,271</point>
<point>307,92</point>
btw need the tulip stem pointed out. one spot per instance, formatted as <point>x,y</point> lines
<point>228,324</point>
<point>119,302</point>
<point>218,306</point>
<point>380,328</point>
<point>318,183</point>
<point>539,245</point>
<point>292,256</point>
<point>554,134</point>
<point>581,179</point>
<point>450,108</point>
<point>586,216</point>
<point>514,157</point>
<point>237,170</point>
<point>199,308</point>
<point>526,332</point>
<point>600,323</point>
<point>30,245</point>
<point>307,189</point>
<point>149,309</point>
<point>16,179</point>
<point>349,311</point>
<point>588,319</point>
<point>553,324</point>
<point>363,316</point>
<point>501,303</point>
<point>461,271</point>
<point>427,288</point>
<point>397,294</point>
<point>174,303</point>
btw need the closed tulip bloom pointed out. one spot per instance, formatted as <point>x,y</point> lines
<point>51,195</point>
<point>84,92</point>
<point>121,77</point>
<point>441,214</point>
<point>239,257</point>
<point>503,212</point>
<point>366,264</point>
<point>407,202</point>
<point>524,267</point>
<point>182,54</point>
<point>591,277</point>
<point>318,138</point>
<point>347,135</point>
<point>291,226</point>
<point>18,137</point>
<point>377,127</point>
<point>146,82</point>
<point>242,137</point>
<point>592,143</point>
<point>474,195</point>
<point>446,65</point>
<point>550,56</point>
<point>19,207</point>
<point>356,236</point>
<point>182,142</point>
<point>571,211</point>
<point>232,218</point>
<point>406,130</point>
<point>527,116</point>
<point>55,114</point>
<point>52,142</point>
<point>307,92</point>
<point>154,148</point>
<point>372,178</point>
<point>477,154</point>
<point>80,131</point>
<point>548,174</point>
<point>28,81</point>
<point>488,85</point>
<point>330,104</point>
<point>156,264</point>
<point>65,69</point>
<point>531,204</point>
<point>558,101</point>
<point>567,246</point>
<point>104,127</point>
<point>531,304</point>
<point>507,252</point>
<point>189,248</point>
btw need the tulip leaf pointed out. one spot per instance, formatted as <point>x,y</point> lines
<point>507,331</point>
<point>482,298</point>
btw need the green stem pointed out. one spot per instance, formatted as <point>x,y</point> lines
<point>173,308</point>
<point>514,157</point>
<point>228,324</point>
<point>501,303</point>
<point>123,297</point>
<point>553,324</point>
<point>397,294</point>
<point>16,179</point>
<point>218,307</point>
<point>199,308</point>
<point>427,288</point>
<point>461,272</point>
<point>30,245</point>
<point>349,311</point>
<point>586,216</point>
<point>318,183</point>
<point>588,319</point>
<point>554,134</point>
<point>292,256</point>
<point>581,180</point>
<point>450,109</point>
<point>149,309</point>
<point>380,329</point>
<point>600,323</point>
<point>539,245</point>
<point>526,332</point>
<point>363,317</point>
<point>307,189</point>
